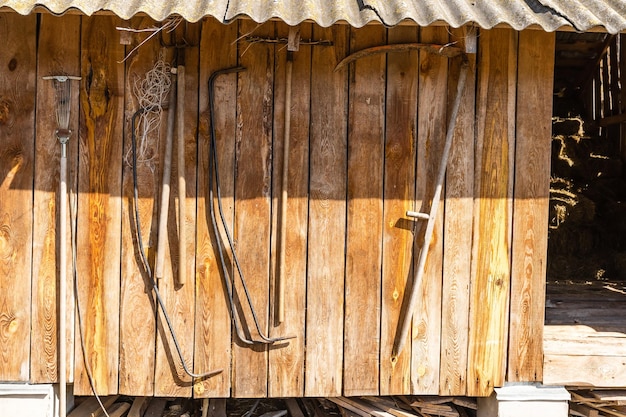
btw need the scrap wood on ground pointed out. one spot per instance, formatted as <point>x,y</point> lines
<point>598,403</point>
<point>398,406</point>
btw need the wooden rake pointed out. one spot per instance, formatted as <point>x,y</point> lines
<point>450,52</point>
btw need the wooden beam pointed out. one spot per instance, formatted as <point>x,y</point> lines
<point>612,120</point>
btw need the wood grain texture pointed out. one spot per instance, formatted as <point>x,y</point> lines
<point>170,377</point>
<point>17,123</point>
<point>431,129</point>
<point>100,205</point>
<point>286,360</point>
<point>365,211</point>
<point>327,216</point>
<point>530,205</point>
<point>213,323</point>
<point>253,180</point>
<point>399,194</point>
<point>592,371</point>
<point>495,141</point>
<point>458,232</point>
<point>137,304</point>
<point>61,35</point>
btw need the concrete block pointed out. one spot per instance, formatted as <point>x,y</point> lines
<point>523,400</point>
<point>38,400</point>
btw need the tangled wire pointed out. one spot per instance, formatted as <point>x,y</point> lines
<point>151,93</point>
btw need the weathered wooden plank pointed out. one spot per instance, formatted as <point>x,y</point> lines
<point>597,371</point>
<point>213,324</point>
<point>286,360</point>
<point>431,130</point>
<point>17,123</point>
<point>91,407</point>
<point>170,376</point>
<point>327,216</point>
<point>137,304</point>
<point>99,205</point>
<point>58,54</point>
<point>495,140</point>
<point>364,224</point>
<point>253,175</point>
<point>458,231</point>
<point>399,194</point>
<point>530,205</point>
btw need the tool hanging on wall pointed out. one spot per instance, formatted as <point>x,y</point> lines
<point>214,182</point>
<point>293,42</point>
<point>293,45</point>
<point>63,95</point>
<point>449,52</point>
<point>180,37</point>
<point>144,258</point>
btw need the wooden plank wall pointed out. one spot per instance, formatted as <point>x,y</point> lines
<point>365,145</point>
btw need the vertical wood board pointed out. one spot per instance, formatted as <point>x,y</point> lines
<point>458,231</point>
<point>213,323</point>
<point>366,128</point>
<point>100,205</point>
<point>170,376</point>
<point>137,303</point>
<point>431,130</point>
<point>253,179</point>
<point>531,200</point>
<point>286,360</point>
<point>489,292</point>
<point>327,216</point>
<point>59,44</point>
<point>399,194</point>
<point>17,122</point>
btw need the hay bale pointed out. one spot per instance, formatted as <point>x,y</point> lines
<point>567,126</point>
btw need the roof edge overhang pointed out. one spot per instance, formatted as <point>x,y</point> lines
<point>371,19</point>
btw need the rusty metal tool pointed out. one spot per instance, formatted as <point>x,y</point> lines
<point>214,183</point>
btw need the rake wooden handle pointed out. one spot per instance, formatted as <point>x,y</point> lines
<point>284,195</point>
<point>165,185</point>
<point>182,186</point>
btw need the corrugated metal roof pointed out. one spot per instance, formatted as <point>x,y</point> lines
<point>550,15</point>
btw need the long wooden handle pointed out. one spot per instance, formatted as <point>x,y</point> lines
<point>165,186</point>
<point>182,186</point>
<point>405,318</point>
<point>284,195</point>
<point>63,282</point>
